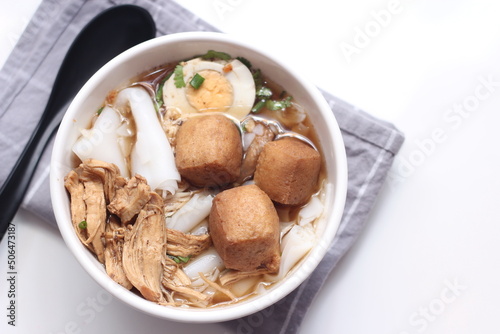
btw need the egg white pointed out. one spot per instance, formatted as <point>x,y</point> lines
<point>239,77</point>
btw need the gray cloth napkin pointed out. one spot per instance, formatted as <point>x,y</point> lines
<point>26,80</point>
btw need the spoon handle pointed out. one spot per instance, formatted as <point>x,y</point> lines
<point>16,184</point>
<point>108,34</point>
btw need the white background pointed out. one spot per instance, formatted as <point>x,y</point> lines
<point>428,259</point>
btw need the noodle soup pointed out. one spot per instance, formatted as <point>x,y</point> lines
<point>201,183</point>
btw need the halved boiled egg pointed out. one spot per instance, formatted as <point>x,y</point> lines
<point>228,87</point>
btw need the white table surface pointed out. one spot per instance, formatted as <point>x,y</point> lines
<point>428,260</point>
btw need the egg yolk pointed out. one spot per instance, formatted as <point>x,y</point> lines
<point>215,94</point>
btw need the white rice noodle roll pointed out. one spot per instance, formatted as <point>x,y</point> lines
<point>311,211</point>
<point>248,138</point>
<point>294,246</point>
<point>191,213</point>
<point>285,227</point>
<point>261,288</point>
<point>204,263</point>
<point>246,183</point>
<point>101,142</point>
<point>151,156</point>
<point>244,286</point>
<point>201,228</point>
<point>258,129</point>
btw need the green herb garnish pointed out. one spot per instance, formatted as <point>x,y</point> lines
<point>180,259</point>
<point>159,91</point>
<point>179,77</point>
<point>99,111</point>
<point>196,81</point>
<point>245,61</point>
<point>82,224</point>
<point>184,259</point>
<point>211,54</point>
<point>277,105</point>
<point>257,78</point>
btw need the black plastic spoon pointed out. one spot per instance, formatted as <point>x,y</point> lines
<point>104,37</point>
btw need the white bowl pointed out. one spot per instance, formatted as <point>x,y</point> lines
<point>173,48</point>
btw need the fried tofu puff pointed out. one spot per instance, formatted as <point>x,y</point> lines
<point>209,151</point>
<point>244,226</point>
<point>287,170</point>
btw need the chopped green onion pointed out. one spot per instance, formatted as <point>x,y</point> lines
<point>196,81</point>
<point>258,106</point>
<point>277,105</point>
<point>99,111</point>
<point>83,224</point>
<point>264,92</point>
<point>211,54</point>
<point>245,62</point>
<point>179,76</point>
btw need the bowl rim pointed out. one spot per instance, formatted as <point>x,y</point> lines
<point>216,314</point>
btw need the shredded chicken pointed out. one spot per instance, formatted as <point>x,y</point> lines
<point>144,250</point>
<point>108,173</point>
<point>113,253</point>
<point>171,122</point>
<point>130,199</point>
<point>91,186</point>
<point>78,208</point>
<point>233,276</point>
<point>93,197</point>
<point>125,228</point>
<point>217,287</point>
<point>176,280</point>
<point>252,154</point>
<point>181,244</point>
<point>176,201</point>
<point>173,273</point>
